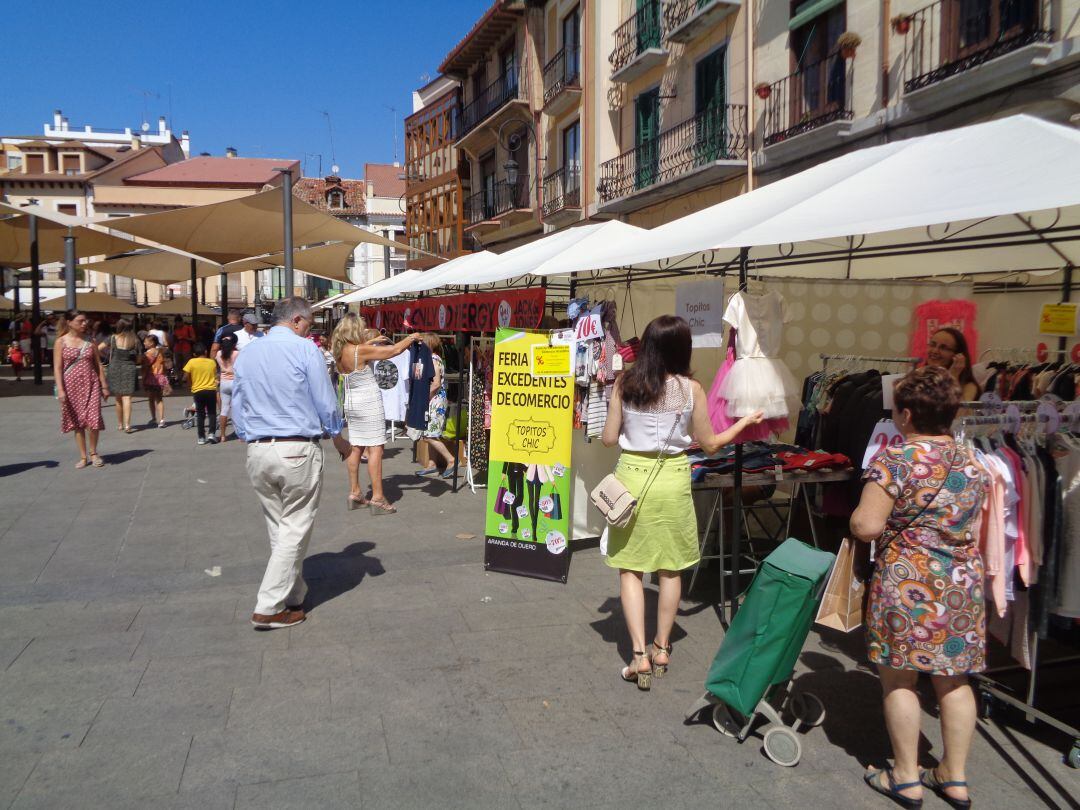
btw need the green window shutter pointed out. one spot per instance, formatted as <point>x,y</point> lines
<point>807,11</point>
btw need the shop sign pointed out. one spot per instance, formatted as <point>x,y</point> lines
<point>589,327</point>
<point>472,312</point>
<point>527,515</point>
<point>1058,320</point>
<point>701,304</point>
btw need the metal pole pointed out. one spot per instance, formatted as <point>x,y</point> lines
<point>35,298</point>
<point>736,502</point>
<point>1066,294</point>
<point>459,339</point>
<point>194,295</point>
<point>224,302</point>
<point>286,208</point>
<point>69,270</point>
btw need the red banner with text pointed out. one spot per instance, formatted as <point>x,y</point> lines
<point>472,312</point>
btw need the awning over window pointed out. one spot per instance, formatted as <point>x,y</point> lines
<point>807,11</point>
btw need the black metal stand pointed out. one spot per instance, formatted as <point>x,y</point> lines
<point>736,502</point>
<point>35,299</point>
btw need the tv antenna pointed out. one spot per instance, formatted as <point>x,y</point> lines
<point>333,153</point>
<point>394,111</point>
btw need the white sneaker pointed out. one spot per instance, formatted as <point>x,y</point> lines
<point>201,441</point>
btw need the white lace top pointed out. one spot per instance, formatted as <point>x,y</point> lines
<point>644,431</point>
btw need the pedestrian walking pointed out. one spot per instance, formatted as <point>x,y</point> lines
<point>183,339</point>
<point>436,412</point>
<point>80,385</point>
<point>226,360</point>
<point>17,359</point>
<point>231,328</point>
<point>354,352</point>
<point>123,371</point>
<point>282,403</point>
<point>248,332</point>
<point>202,372</point>
<point>155,381</point>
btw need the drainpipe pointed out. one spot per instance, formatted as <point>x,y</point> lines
<point>748,10</point>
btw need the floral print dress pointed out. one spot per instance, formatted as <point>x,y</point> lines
<point>436,412</point>
<point>926,607</point>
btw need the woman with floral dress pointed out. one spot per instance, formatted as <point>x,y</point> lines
<point>80,385</point>
<point>926,612</point>
<point>436,413</point>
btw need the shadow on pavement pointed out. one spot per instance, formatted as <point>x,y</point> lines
<point>124,455</point>
<point>15,469</point>
<point>333,573</point>
<point>613,628</point>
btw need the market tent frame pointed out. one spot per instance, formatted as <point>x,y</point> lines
<point>52,227</point>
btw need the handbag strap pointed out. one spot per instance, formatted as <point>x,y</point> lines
<point>660,457</point>
<point>921,512</point>
<point>79,357</point>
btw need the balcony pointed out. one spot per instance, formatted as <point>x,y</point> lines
<point>492,105</point>
<point>562,196</point>
<point>701,151</point>
<point>955,49</point>
<point>808,110</point>
<point>684,20</point>
<point>638,44</point>
<point>562,81</point>
<point>499,206</point>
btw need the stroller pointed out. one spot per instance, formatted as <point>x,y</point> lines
<point>751,672</point>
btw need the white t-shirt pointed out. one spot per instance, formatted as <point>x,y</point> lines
<point>396,399</point>
<point>163,339</point>
<point>243,338</point>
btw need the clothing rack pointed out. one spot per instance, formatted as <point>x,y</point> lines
<point>1017,352</point>
<point>859,358</point>
<point>475,343</point>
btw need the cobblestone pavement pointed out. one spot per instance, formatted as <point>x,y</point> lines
<point>130,677</point>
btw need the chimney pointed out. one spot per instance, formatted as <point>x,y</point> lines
<point>57,119</point>
<point>230,151</point>
<point>136,142</point>
<point>185,143</point>
<point>397,164</point>
<point>161,128</point>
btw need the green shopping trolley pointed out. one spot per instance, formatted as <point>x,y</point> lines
<point>750,675</point>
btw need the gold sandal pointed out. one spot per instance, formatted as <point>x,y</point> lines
<point>660,669</point>
<point>643,679</point>
<point>381,508</point>
<point>82,462</point>
<point>357,503</point>
<point>97,460</point>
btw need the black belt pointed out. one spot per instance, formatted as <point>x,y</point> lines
<point>271,439</point>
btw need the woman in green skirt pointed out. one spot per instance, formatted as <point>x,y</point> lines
<point>657,411</point>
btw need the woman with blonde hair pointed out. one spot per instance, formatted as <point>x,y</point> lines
<point>354,353</point>
<point>80,385</point>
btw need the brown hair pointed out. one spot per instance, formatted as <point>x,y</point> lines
<point>665,349</point>
<point>433,342</point>
<point>933,397</point>
<point>966,375</point>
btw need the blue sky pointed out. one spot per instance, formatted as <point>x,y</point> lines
<point>254,74</point>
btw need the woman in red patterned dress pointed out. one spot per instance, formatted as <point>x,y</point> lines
<point>80,385</point>
<point>925,613</point>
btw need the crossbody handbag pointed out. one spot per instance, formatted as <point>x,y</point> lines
<point>614,500</point>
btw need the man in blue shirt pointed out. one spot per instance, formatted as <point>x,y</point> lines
<point>282,403</point>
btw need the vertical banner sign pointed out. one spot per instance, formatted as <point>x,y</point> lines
<point>527,519</point>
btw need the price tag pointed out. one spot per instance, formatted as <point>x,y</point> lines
<point>588,328</point>
<point>559,470</point>
<point>887,383</point>
<point>547,503</point>
<point>504,528</point>
<point>523,512</point>
<point>526,534</point>
<point>555,542</point>
<point>885,435</point>
<point>508,497</point>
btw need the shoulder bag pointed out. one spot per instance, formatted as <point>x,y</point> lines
<point>611,496</point>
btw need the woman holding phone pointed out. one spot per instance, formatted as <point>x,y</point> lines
<point>948,349</point>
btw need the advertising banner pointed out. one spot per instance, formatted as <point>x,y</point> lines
<point>527,519</point>
<point>473,312</point>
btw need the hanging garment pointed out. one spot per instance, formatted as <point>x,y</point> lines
<point>1067,462</point>
<point>421,373</point>
<point>597,410</point>
<point>758,380</point>
<point>718,410</point>
<point>396,398</point>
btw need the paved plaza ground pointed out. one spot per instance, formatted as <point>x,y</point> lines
<point>130,676</point>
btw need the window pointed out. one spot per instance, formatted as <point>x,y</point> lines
<point>571,150</point>
<point>649,29</point>
<point>70,209</point>
<point>487,183</point>
<point>820,67</point>
<point>710,100</point>
<point>646,138</point>
<point>571,39</point>
<point>35,164</point>
<point>14,161</point>
<point>69,164</point>
<point>336,199</point>
<point>508,69</point>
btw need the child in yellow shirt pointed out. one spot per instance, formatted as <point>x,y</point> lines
<point>202,372</point>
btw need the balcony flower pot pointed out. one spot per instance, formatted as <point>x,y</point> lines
<point>762,90</point>
<point>848,43</point>
<point>901,23</point>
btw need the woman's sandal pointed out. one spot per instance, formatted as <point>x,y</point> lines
<point>660,668</point>
<point>876,780</point>
<point>82,462</point>
<point>357,503</point>
<point>643,679</point>
<point>97,460</point>
<point>382,508</point>
<point>930,779</point>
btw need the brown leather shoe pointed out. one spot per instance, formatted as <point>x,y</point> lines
<point>286,618</point>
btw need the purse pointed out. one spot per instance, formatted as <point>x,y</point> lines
<point>500,507</point>
<point>614,500</point>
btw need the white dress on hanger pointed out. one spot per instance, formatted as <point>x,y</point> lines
<point>759,380</point>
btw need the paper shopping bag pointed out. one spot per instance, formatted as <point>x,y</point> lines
<point>842,606</point>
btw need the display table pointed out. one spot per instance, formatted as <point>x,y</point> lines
<point>717,483</point>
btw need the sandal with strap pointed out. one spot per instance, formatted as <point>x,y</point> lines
<point>82,462</point>
<point>876,780</point>
<point>97,460</point>
<point>381,508</point>
<point>930,779</point>
<point>658,668</point>
<point>643,678</point>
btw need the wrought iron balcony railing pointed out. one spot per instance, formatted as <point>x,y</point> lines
<point>503,196</point>
<point>718,133</point>
<point>951,36</point>
<point>563,71</point>
<point>676,12</point>
<point>817,94</point>
<point>642,31</point>
<point>562,189</point>
<point>504,89</point>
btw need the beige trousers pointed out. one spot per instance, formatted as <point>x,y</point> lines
<point>287,477</point>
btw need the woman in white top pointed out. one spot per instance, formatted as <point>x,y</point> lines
<point>364,414</point>
<point>657,411</point>
<point>226,363</point>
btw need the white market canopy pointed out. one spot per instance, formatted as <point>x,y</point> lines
<point>380,289</point>
<point>244,227</point>
<point>1001,196</point>
<point>450,273</point>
